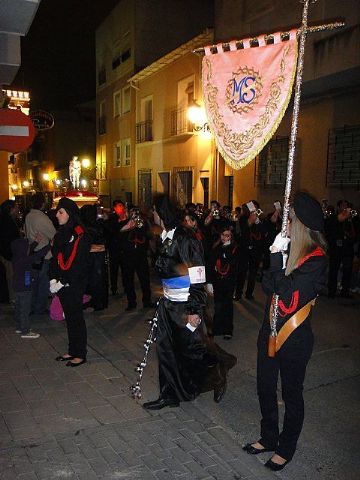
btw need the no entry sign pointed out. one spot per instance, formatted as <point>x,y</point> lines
<point>17,131</point>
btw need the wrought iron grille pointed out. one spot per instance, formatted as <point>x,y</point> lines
<point>271,163</point>
<point>144,131</point>
<point>179,122</point>
<point>343,159</point>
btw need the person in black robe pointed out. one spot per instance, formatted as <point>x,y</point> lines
<point>187,366</point>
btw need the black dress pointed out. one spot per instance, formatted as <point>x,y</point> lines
<point>295,291</point>
<point>222,275</point>
<point>187,365</point>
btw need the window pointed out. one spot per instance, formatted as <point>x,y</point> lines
<point>144,129</point>
<point>126,100</point>
<point>117,104</point>
<point>117,154</point>
<point>126,143</point>
<point>102,76</point>
<point>271,163</point>
<point>102,119</point>
<point>343,161</point>
<point>101,163</point>
<point>121,58</point>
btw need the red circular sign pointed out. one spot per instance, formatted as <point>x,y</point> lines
<point>17,131</point>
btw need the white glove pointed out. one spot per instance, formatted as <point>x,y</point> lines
<point>280,244</point>
<point>209,288</point>
<point>55,286</point>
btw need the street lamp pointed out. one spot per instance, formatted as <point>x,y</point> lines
<point>85,162</point>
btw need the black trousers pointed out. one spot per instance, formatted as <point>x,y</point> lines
<point>223,308</point>
<point>290,361</point>
<point>138,263</point>
<point>115,262</point>
<point>248,267</point>
<point>336,258</point>
<point>98,284</point>
<point>71,301</point>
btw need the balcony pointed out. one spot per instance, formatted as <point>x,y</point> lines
<point>179,123</point>
<point>102,125</point>
<point>144,131</point>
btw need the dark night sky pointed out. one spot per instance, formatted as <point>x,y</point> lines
<point>58,53</point>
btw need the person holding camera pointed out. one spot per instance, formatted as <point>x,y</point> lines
<point>134,236</point>
<point>251,249</point>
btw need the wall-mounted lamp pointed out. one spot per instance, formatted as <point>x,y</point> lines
<point>26,184</point>
<point>14,187</point>
<point>46,177</point>
<point>196,115</point>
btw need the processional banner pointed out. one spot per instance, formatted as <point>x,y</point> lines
<point>246,93</point>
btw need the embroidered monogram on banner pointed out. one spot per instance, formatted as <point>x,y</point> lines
<point>246,93</point>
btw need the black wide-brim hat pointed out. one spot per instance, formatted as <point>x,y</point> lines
<point>308,210</point>
<point>69,206</point>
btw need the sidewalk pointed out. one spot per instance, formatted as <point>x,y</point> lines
<point>82,423</point>
<point>62,423</point>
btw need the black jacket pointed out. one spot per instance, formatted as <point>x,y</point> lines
<point>295,290</point>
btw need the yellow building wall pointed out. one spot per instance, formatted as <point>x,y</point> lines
<point>167,152</point>
<point>316,118</point>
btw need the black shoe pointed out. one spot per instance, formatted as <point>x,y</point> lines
<point>219,392</point>
<point>227,337</point>
<point>113,291</point>
<point>249,448</point>
<point>61,358</point>
<point>73,364</point>
<point>275,467</point>
<point>161,403</point>
<point>130,307</point>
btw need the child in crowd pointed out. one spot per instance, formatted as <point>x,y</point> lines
<point>22,260</point>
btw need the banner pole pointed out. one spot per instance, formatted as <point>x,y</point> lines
<point>291,158</point>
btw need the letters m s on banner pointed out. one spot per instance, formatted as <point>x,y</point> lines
<point>246,93</point>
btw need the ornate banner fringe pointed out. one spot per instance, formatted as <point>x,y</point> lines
<point>246,93</point>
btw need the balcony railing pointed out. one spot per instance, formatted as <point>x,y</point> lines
<point>144,131</point>
<point>179,122</point>
<point>102,125</point>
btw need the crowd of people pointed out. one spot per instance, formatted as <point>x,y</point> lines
<point>235,245</point>
<point>207,259</point>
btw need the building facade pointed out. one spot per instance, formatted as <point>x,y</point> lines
<point>149,145</point>
<point>133,36</point>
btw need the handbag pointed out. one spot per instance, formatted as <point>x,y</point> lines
<point>56,310</point>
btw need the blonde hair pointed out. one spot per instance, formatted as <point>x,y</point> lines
<point>303,241</point>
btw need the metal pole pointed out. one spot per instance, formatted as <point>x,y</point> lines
<point>292,148</point>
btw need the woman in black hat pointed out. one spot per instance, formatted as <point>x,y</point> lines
<point>297,280</point>
<point>69,273</point>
